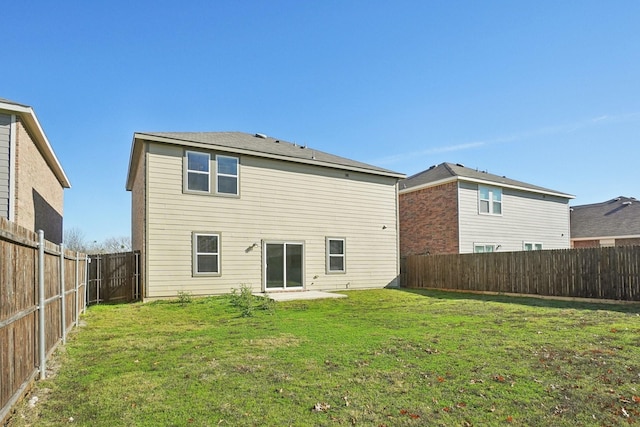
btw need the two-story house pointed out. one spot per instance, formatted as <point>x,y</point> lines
<point>449,209</point>
<point>214,211</point>
<point>615,222</point>
<point>32,181</point>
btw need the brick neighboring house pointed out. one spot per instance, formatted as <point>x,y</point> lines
<point>32,181</point>
<point>450,209</point>
<point>615,222</point>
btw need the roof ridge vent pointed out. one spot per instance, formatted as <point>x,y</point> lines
<point>460,164</point>
<point>260,135</point>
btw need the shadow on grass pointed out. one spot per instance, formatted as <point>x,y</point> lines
<point>548,302</point>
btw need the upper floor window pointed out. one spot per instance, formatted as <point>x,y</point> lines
<point>198,171</point>
<point>336,255</point>
<point>227,175</point>
<point>490,200</point>
<point>204,173</point>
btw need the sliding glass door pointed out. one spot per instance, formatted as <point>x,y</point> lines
<point>283,267</point>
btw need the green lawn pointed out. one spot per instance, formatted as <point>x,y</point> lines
<point>376,358</point>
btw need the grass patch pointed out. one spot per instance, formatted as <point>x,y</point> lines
<point>379,358</point>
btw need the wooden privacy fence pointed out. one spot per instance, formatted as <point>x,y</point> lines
<point>603,273</point>
<point>42,293</point>
<point>114,277</point>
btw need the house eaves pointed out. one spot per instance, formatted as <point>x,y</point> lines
<point>252,145</point>
<point>486,182</point>
<point>448,172</point>
<point>32,124</point>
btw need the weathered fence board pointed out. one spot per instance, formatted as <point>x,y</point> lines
<point>20,307</point>
<point>602,273</point>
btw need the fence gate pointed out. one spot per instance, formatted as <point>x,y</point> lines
<point>114,278</point>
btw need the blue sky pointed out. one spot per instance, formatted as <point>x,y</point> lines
<point>546,92</point>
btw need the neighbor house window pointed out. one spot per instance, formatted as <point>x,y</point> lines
<point>206,254</point>
<point>480,248</point>
<point>528,246</point>
<point>336,251</point>
<point>198,171</point>
<point>227,175</point>
<point>490,200</point>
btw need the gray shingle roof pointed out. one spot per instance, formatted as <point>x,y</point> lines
<point>8,101</point>
<point>445,171</point>
<point>615,217</point>
<point>261,145</point>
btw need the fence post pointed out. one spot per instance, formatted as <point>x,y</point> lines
<point>41,315</point>
<point>63,299</point>
<point>76,314</point>
<point>98,279</point>
<point>87,261</point>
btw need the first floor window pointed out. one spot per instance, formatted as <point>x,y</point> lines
<point>206,253</point>
<point>336,255</point>
<point>481,248</point>
<point>528,246</point>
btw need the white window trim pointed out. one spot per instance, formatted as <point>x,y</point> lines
<point>485,245</point>
<point>264,263</point>
<point>236,176</point>
<point>490,200</point>
<point>533,246</point>
<point>329,255</point>
<point>187,171</point>
<point>195,253</point>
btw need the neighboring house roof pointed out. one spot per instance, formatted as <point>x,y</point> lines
<point>255,145</point>
<point>619,217</point>
<point>32,124</point>
<point>449,172</point>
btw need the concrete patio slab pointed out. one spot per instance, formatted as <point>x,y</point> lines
<point>301,295</point>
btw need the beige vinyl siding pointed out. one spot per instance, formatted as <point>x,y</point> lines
<point>5,144</point>
<point>279,201</point>
<point>526,217</point>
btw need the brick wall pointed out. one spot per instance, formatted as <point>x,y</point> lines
<point>39,195</point>
<point>429,221</point>
<point>627,242</point>
<point>578,244</point>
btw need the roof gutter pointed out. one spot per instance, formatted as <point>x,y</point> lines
<point>630,236</point>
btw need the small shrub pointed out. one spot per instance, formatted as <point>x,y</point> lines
<point>247,303</point>
<point>184,297</point>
